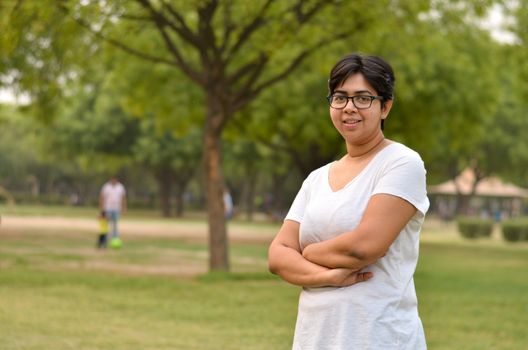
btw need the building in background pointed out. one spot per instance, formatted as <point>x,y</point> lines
<point>488,198</point>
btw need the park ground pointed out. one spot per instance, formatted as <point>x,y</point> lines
<point>58,292</point>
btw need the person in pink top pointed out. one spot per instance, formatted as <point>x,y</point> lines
<point>112,200</point>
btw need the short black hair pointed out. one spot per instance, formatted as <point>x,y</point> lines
<point>376,70</point>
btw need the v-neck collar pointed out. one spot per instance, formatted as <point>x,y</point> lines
<point>368,165</point>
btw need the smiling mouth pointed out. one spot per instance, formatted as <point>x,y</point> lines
<point>351,122</point>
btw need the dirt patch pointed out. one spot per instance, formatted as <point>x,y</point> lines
<point>184,269</point>
<point>59,244</point>
<point>196,231</point>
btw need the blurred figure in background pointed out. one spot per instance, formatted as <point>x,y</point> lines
<point>112,200</point>
<point>228,204</point>
<point>103,230</point>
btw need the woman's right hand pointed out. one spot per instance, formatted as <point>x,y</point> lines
<point>342,277</point>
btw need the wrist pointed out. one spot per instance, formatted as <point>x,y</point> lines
<point>312,253</point>
<point>321,278</point>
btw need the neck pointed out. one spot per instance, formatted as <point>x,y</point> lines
<point>366,149</point>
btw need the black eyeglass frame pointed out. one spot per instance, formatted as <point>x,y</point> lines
<point>372,98</point>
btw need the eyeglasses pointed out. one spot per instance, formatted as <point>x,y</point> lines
<point>359,101</point>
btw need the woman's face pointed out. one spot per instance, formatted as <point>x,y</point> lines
<point>359,126</point>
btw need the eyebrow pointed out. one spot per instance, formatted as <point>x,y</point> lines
<point>359,92</point>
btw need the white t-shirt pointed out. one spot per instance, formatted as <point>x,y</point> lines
<point>113,196</point>
<point>381,313</point>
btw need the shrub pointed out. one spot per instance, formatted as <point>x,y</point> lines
<point>474,227</point>
<point>515,229</point>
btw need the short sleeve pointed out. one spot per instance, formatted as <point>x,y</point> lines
<point>405,177</point>
<point>298,206</point>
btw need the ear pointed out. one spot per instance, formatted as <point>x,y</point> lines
<point>386,109</point>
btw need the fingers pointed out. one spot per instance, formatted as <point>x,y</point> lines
<point>342,277</point>
<point>358,277</point>
<point>363,276</point>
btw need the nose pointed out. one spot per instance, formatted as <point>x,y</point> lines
<point>349,107</point>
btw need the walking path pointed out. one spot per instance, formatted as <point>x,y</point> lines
<point>190,230</point>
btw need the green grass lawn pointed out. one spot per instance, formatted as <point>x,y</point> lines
<point>84,212</point>
<point>57,292</point>
<point>70,310</point>
<point>473,297</point>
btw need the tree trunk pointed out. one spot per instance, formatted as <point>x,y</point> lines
<point>164,190</point>
<point>180,189</point>
<point>463,204</point>
<point>278,190</point>
<point>218,242</point>
<point>250,195</point>
<point>35,185</point>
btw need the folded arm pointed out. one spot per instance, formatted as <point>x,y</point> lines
<point>384,218</point>
<point>285,260</point>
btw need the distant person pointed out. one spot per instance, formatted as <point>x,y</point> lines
<point>112,200</point>
<point>228,204</point>
<point>351,236</point>
<point>103,230</point>
<point>74,199</point>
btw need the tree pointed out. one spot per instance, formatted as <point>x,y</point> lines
<point>292,118</point>
<point>232,50</point>
<point>170,113</point>
<point>172,159</point>
<point>25,167</point>
<point>438,98</point>
<point>236,50</point>
<point>516,55</point>
<point>36,58</point>
<point>17,144</point>
<point>447,91</point>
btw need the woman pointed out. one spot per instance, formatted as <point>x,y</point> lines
<point>351,236</point>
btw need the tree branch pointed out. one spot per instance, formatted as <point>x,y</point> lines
<point>127,16</point>
<point>257,22</point>
<point>265,140</point>
<point>186,68</point>
<point>256,71</point>
<point>228,26</point>
<point>161,22</point>
<point>302,18</point>
<point>254,66</point>
<point>116,43</point>
<point>183,30</point>
<point>277,146</point>
<point>136,18</point>
<point>247,94</point>
<point>206,32</point>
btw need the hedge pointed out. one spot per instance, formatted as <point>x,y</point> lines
<point>515,230</point>
<point>474,227</point>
